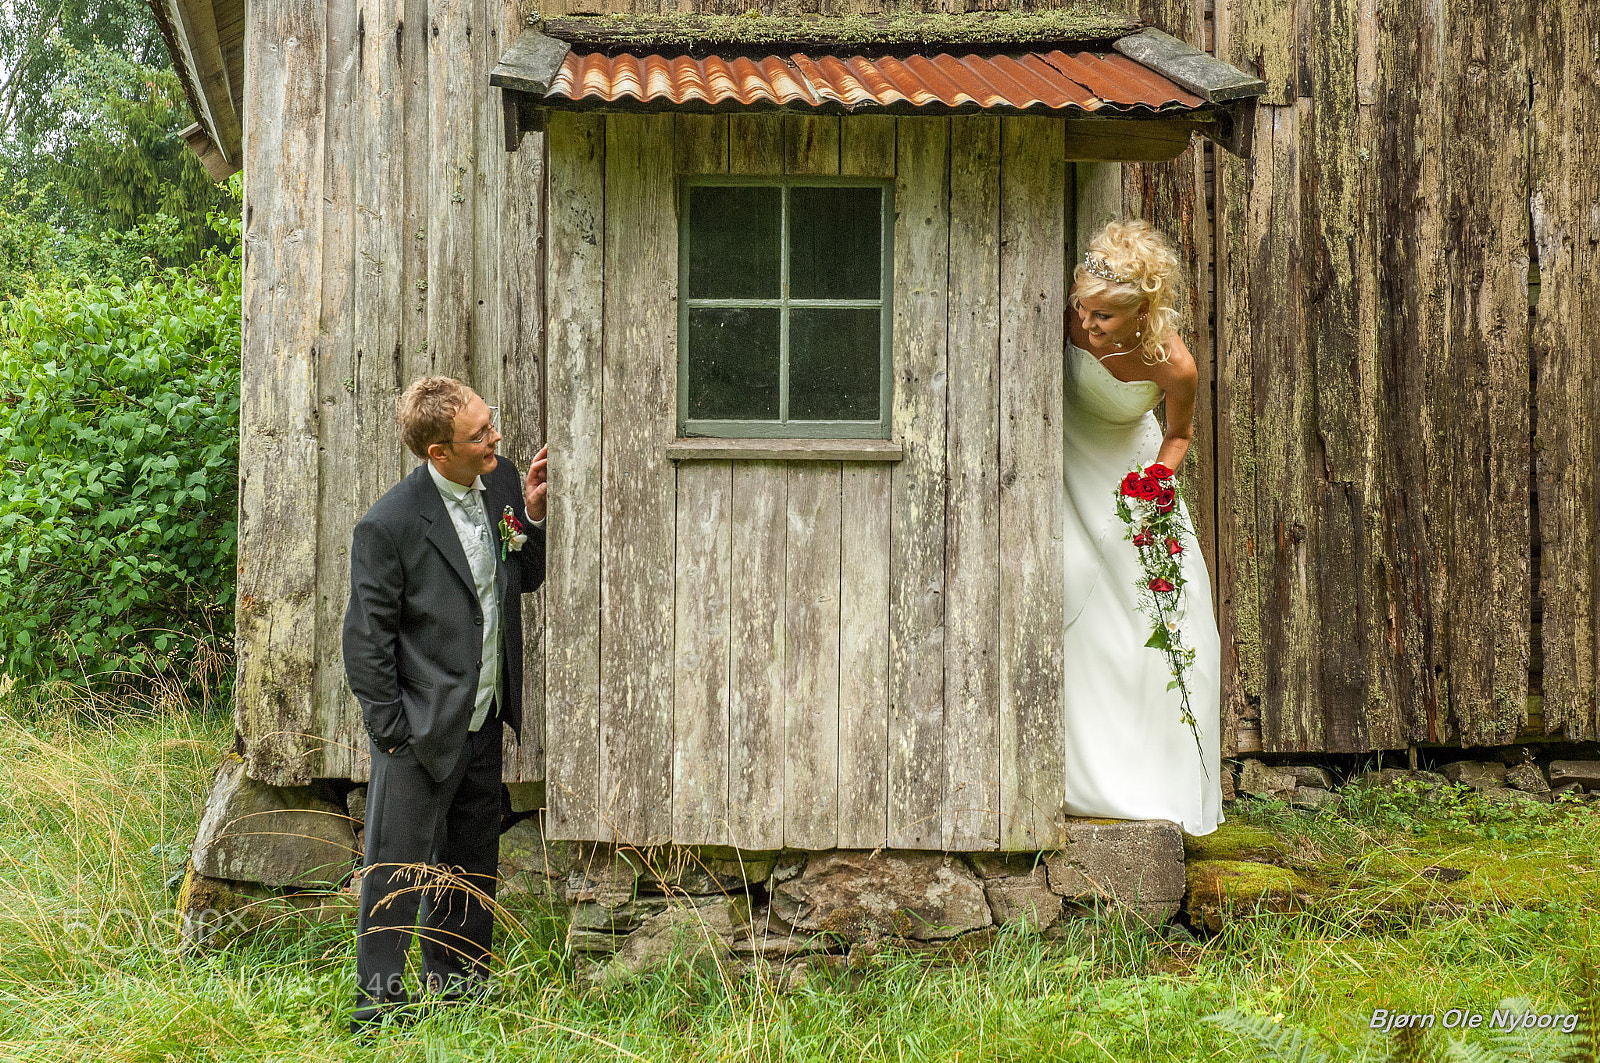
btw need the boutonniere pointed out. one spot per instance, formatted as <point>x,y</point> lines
<point>511,534</point>
<point>1147,502</point>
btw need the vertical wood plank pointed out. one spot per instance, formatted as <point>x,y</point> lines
<point>1282,390</point>
<point>756,143</point>
<point>916,590</point>
<point>704,614</point>
<point>1484,396</point>
<point>451,177</point>
<point>864,656</point>
<point>1565,191</point>
<point>415,145</point>
<point>1032,305</point>
<point>972,514</point>
<point>811,657</point>
<point>1238,604</point>
<point>756,655</point>
<point>636,533</point>
<point>867,145</point>
<point>701,143</point>
<point>338,721</point>
<point>700,661</point>
<point>487,193</point>
<point>518,304</point>
<point>378,127</point>
<point>576,276</point>
<point>1340,448</point>
<point>811,144</point>
<point>1098,199</point>
<point>866,149</point>
<point>276,615</point>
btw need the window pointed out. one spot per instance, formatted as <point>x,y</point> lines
<point>785,295</point>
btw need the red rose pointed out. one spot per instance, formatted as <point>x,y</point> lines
<point>1144,538</point>
<point>1174,548</point>
<point>1130,485</point>
<point>1166,498</point>
<point>1159,471</point>
<point>1148,488</point>
<point>1159,584</point>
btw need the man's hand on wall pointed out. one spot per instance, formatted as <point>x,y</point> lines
<point>533,491</point>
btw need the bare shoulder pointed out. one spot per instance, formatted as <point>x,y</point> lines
<point>1179,369</point>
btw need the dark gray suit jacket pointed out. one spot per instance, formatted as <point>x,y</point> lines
<point>413,631</point>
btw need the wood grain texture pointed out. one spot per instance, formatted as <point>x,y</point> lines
<point>415,144</point>
<point>1483,397</point>
<point>756,699</point>
<point>756,143</point>
<point>1033,177</point>
<point>378,131</point>
<point>811,657</point>
<point>704,598</point>
<point>972,515</point>
<point>701,143</point>
<point>867,146</point>
<point>1565,193</point>
<point>576,278</point>
<point>916,588</point>
<point>1410,334</point>
<point>276,615</point>
<point>811,144</point>
<point>518,301</point>
<point>451,174</point>
<point>1355,709</point>
<point>337,719</point>
<point>864,655</point>
<point>636,532</point>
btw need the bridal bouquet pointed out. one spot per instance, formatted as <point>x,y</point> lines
<point>1147,502</point>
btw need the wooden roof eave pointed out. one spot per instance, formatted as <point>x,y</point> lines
<point>199,36</point>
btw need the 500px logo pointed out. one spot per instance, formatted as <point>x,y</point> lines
<point>116,929</point>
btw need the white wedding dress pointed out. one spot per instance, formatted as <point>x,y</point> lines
<point>1129,754</point>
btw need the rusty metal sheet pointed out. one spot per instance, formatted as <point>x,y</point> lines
<point>1096,82</point>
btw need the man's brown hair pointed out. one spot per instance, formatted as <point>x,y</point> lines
<point>427,412</point>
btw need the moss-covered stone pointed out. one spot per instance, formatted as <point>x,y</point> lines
<point>1222,889</point>
<point>1084,22</point>
<point>1234,841</point>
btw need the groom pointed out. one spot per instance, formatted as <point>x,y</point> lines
<point>433,653</point>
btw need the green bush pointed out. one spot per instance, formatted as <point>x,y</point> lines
<point>119,425</point>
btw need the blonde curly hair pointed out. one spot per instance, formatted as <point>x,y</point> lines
<point>1144,259</point>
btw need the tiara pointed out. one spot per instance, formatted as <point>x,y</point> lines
<point>1102,269</point>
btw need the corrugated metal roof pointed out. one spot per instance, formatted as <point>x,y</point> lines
<point>1037,81</point>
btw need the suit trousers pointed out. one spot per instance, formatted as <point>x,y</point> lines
<point>431,849</point>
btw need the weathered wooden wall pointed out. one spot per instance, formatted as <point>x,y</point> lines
<point>379,201</point>
<point>811,653</point>
<point>1405,460</point>
<point>1393,472</point>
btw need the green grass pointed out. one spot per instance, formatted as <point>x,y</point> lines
<point>99,809</point>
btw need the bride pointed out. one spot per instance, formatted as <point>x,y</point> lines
<point>1129,755</point>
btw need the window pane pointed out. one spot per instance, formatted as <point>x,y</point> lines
<point>733,363</point>
<point>833,365</point>
<point>734,236</point>
<point>835,242</point>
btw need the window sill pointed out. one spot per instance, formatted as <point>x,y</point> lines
<point>718,449</point>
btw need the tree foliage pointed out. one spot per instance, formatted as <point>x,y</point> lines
<point>90,112</point>
<point>119,439</point>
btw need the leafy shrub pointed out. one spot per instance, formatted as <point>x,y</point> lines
<point>119,414</point>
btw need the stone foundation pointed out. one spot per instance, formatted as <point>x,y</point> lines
<point>630,907</point>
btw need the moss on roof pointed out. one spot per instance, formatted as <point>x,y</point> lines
<point>1084,22</point>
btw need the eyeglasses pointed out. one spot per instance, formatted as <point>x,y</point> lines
<point>483,437</point>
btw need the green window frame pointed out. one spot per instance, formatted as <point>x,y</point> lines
<point>789,309</point>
